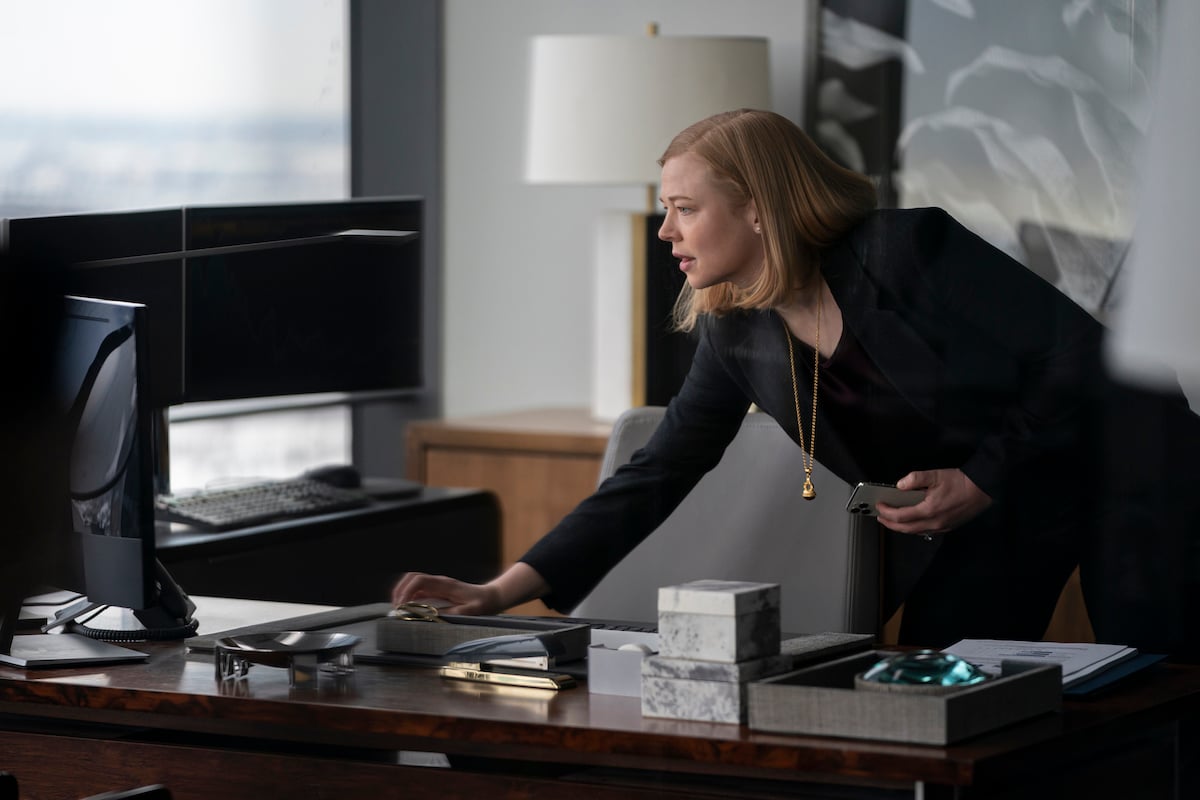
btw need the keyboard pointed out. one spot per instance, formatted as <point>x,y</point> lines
<point>220,509</point>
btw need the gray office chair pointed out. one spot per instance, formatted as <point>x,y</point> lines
<point>746,520</point>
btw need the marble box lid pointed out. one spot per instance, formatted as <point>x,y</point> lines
<point>719,597</point>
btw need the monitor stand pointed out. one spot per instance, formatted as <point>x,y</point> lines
<point>36,650</point>
<point>32,650</point>
<point>170,618</point>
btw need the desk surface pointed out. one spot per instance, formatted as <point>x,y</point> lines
<point>412,709</point>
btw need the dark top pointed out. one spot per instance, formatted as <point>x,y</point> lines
<point>890,437</point>
<point>955,356</point>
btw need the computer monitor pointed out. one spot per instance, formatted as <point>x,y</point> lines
<point>104,522</point>
<point>332,313</point>
<point>102,369</point>
<point>33,467</point>
<point>253,301</point>
<point>120,255</point>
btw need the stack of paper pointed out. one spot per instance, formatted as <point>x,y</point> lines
<point>1079,661</point>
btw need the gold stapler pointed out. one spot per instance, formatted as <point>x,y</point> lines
<point>476,660</point>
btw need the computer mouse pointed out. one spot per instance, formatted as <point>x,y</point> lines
<point>343,476</point>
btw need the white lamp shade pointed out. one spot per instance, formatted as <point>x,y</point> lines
<point>603,108</point>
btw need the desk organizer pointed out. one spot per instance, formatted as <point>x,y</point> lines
<point>821,700</point>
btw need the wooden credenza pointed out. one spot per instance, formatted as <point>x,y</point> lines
<point>539,464</point>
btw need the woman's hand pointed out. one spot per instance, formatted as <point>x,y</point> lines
<point>951,499</point>
<point>517,584</point>
<point>449,595</point>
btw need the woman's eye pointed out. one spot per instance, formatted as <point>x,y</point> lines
<point>684,210</point>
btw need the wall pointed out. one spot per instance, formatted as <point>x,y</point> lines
<point>396,136</point>
<point>517,258</point>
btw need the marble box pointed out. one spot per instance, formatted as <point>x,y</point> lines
<point>712,620</point>
<point>712,691</point>
<point>709,701</point>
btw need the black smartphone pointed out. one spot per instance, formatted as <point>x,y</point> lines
<point>866,495</point>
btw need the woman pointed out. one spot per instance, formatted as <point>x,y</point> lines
<point>894,343</point>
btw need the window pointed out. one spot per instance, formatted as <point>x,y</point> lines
<point>258,445</point>
<point>137,103</point>
<point>143,104</point>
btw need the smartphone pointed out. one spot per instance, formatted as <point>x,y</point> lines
<point>866,495</point>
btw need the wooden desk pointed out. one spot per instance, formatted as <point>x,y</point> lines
<point>538,463</point>
<point>68,733</point>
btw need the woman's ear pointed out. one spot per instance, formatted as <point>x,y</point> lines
<point>752,217</point>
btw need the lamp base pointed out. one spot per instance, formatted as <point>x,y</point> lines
<point>637,359</point>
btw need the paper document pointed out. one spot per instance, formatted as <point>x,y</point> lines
<point>1079,660</point>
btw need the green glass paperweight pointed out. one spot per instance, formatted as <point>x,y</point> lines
<point>922,669</point>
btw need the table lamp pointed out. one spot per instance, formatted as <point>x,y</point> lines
<point>601,111</point>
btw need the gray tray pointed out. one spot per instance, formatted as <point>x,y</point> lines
<point>822,700</point>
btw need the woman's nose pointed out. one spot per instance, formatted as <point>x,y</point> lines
<point>666,230</point>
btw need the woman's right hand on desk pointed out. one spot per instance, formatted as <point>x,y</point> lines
<point>449,595</point>
<point>517,584</point>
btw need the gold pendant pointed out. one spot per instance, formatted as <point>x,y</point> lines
<point>810,491</point>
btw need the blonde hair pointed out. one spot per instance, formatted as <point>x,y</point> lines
<point>805,203</point>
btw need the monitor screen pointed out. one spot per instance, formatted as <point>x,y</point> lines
<point>131,255</point>
<point>252,301</point>
<point>33,470</point>
<point>337,313</point>
<point>94,236</point>
<point>228,225</point>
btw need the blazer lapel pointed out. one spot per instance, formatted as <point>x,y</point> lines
<point>901,353</point>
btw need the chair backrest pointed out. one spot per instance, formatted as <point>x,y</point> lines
<point>746,520</point>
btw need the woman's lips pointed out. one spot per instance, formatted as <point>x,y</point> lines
<point>686,262</point>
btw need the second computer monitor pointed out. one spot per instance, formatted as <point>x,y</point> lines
<point>108,536</point>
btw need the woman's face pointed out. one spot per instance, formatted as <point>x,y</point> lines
<point>713,240</point>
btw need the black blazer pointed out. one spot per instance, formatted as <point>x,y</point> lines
<point>1000,360</point>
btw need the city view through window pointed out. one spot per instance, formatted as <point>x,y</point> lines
<point>134,104</point>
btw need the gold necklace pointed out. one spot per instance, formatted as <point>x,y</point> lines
<point>810,491</point>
